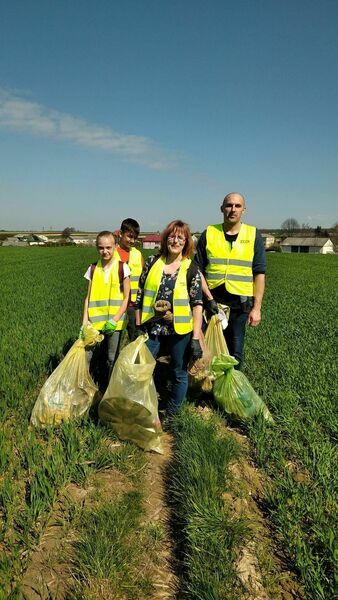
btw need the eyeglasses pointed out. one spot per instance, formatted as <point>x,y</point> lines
<point>178,238</point>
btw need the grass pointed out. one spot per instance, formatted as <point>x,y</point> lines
<point>107,555</point>
<point>208,535</point>
<point>291,362</point>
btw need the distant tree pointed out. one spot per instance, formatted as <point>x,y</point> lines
<point>306,226</point>
<point>320,232</point>
<point>290,225</point>
<point>67,231</point>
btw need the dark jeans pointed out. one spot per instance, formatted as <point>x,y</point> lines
<point>107,352</point>
<point>234,335</point>
<point>131,323</point>
<point>178,348</point>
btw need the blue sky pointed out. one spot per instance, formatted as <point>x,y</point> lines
<point>155,109</point>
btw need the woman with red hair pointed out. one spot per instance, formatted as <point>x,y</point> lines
<point>172,280</point>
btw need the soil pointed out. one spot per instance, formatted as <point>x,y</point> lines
<point>156,511</point>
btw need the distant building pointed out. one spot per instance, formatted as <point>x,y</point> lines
<point>82,240</point>
<point>307,245</point>
<point>14,241</point>
<point>32,239</point>
<point>41,238</point>
<point>268,240</point>
<point>151,241</point>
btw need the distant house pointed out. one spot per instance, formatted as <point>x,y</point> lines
<point>268,240</point>
<point>82,240</point>
<point>14,241</point>
<point>41,238</point>
<point>151,241</point>
<point>32,239</point>
<point>313,245</point>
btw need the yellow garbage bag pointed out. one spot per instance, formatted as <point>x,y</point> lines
<point>213,344</point>
<point>214,337</point>
<point>199,372</point>
<point>70,390</point>
<point>129,405</point>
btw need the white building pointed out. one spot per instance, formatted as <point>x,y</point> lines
<point>314,245</point>
<point>152,241</point>
<point>268,239</point>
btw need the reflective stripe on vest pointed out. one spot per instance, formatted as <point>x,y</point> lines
<point>105,298</point>
<point>183,322</point>
<point>230,266</point>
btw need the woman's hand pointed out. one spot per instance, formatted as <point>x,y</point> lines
<point>196,351</point>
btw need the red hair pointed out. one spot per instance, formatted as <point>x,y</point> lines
<point>180,228</point>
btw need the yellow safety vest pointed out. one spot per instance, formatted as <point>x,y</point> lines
<point>183,322</point>
<point>135,265</point>
<point>105,298</point>
<point>231,266</point>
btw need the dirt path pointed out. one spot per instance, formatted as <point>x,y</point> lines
<point>260,564</point>
<point>163,579</point>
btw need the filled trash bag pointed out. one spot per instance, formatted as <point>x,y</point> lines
<point>213,344</point>
<point>70,390</point>
<point>199,371</point>
<point>129,405</point>
<point>233,392</point>
<point>214,337</point>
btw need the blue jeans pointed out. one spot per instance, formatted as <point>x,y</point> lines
<point>234,335</point>
<point>178,348</point>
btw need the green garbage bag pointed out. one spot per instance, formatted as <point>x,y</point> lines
<point>130,406</point>
<point>233,391</point>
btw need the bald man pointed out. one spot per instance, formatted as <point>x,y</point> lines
<point>231,256</point>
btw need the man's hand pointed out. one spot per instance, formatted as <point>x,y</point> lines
<point>254,317</point>
<point>139,330</point>
<point>211,307</point>
<point>195,350</point>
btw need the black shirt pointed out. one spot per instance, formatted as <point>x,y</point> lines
<point>220,294</point>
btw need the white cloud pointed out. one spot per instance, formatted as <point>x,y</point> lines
<point>19,114</point>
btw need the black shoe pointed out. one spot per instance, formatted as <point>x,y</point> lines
<point>167,423</point>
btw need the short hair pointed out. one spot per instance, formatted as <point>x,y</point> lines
<point>104,233</point>
<point>130,225</point>
<point>228,196</point>
<point>171,228</point>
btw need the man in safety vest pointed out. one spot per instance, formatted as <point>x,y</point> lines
<point>231,256</point>
<point>125,251</point>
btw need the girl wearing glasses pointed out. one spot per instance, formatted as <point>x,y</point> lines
<point>173,277</point>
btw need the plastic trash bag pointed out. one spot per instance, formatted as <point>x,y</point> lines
<point>129,405</point>
<point>69,391</point>
<point>213,344</point>
<point>214,337</point>
<point>233,391</point>
<point>199,371</point>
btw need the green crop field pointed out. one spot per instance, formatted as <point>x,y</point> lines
<point>290,361</point>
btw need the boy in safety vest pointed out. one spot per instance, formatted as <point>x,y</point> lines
<point>231,256</point>
<point>127,253</point>
<point>107,298</point>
